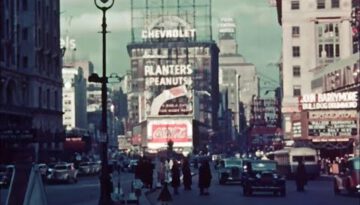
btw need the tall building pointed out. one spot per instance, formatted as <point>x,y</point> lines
<point>174,71</point>
<point>237,76</point>
<point>315,34</point>
<point>74,99</point>
<point>30,74</point>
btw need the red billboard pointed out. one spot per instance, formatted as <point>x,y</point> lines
<point>160,131</point>
<point>165,132</point>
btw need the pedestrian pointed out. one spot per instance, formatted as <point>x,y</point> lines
<point>204,177</point>
<point>301,178</point>
<point>187,178</point>
<point>175,176</point>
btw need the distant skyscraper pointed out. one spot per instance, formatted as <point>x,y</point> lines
<point>235,75</point>
<point>74,99</point>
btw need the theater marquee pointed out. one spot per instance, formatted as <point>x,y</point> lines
<point>328,101</point>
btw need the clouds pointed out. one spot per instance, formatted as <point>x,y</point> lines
<point>90,22</point>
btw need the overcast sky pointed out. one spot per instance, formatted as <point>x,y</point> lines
<point>258,32</point>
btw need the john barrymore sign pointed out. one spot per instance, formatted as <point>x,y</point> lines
<point>329,101</point>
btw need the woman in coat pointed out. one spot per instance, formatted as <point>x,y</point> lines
<point>204,177</point>
<point>187,178</point>
<point>175,175</point>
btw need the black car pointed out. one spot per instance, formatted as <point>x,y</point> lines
<point>263,177</point>
<point>230,170</point>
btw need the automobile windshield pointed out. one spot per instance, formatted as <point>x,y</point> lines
<point>230,163</point>
<point>263,166</point>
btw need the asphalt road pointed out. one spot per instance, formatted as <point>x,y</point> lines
<point>318,192</point>
<point>86,192</point>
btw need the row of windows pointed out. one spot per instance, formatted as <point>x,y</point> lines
<point>327,50</point>
<point>320,4</point>
<point>47,98</point>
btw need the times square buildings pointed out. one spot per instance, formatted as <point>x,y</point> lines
<point>174,76</point>
<point>320,75</point>
<point>30,79</point>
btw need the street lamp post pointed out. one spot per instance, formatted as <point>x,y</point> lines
<point>105,181</point>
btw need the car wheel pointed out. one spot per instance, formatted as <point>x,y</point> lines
<point>222,181</point>
<point>245,192</point>
<point>250,191</point>
<point>349,190</point>
<point>336,188</point>
<point>283,192</point>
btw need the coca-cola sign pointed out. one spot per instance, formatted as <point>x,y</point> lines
<point>166,132</point>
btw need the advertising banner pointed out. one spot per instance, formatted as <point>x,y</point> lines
<point>328,101</point>
<point>168,89</point>
<point>160,131</point>
<point>332,123</point>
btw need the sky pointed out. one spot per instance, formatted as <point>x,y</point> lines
<point>258,32</point>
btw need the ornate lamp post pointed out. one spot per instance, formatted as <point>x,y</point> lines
<point>105,181</point>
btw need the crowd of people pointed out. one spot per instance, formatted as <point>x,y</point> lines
<point>173,172</point>
<point>334,166</point>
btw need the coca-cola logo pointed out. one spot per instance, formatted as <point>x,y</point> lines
<point>173,132</point>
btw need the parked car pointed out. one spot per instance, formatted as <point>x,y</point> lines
<point>349,180</point>
<point>43,169</point>
<point>95,167</point>
<point>264,177</point>
<point>6,172</point>
<point>64,172</point>
<point>230,170</point>
<point>85,168</point>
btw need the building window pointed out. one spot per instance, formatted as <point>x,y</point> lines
<point>295,5</point>
<point>40,97</point>
<point>297,90</point>
<point>295,31</point>
<point>48,98</point>
<point>56,100</point>
<point>329,49</point>
<point>337,50</point>
<point>335,4</point>
<point>296,51</point>
<point>321,4</point>
<point>296,71</point>
<point>25,62</point>
<point>25,34</point>
<point>24,5</point>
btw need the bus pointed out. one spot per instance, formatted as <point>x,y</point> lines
<point>288,158</point>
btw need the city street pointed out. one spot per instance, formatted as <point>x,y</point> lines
<point>86,191</point>
<point>317,193</point>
